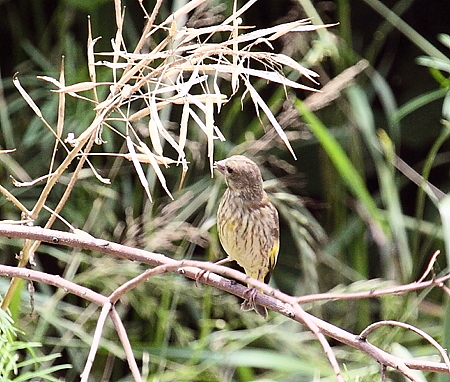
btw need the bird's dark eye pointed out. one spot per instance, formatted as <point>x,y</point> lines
<point>229,170</point>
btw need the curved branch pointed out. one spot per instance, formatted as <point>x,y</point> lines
<point>363,335</point>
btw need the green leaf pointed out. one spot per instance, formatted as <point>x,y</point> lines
<point>340,160</point>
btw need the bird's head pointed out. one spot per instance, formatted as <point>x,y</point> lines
<point>242,176</point>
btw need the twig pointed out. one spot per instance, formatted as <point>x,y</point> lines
<point>374,352</point>
<point>57,281</point>
<point>133,283</point>
<point>445,288</point>
<point>383,373</point>
<point>323,342</point>
<point>430,265</point>
<point>70,186</point>
<point>95,341</point>
<point>398,289</point>
<point>126,344</point>
<point>148,26</point>
<point>363,335</point>
<point>10,197</point>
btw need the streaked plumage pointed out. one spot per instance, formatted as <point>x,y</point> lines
<point>247,222</point>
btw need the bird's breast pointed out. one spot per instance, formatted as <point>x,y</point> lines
<point>246,232</point>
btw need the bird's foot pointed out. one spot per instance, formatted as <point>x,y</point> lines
<point>200,275</point>
<point>249,303</point>
<point>204,271</point>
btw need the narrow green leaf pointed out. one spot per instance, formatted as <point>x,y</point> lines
<point>341,161</point>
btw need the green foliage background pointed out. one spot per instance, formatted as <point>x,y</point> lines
<point>350,220</point>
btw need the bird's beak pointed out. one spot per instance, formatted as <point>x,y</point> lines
<point>220,166</point>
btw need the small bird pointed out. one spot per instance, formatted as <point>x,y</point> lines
<point>247,223</point>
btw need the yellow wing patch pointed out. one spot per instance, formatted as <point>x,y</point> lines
<point>273,254</point>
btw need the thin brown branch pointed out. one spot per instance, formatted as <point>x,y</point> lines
<point>273,299</point>
<point>181,268</point>
<point>363,335</point>
<point>57,281</point>
<point>95,341</point>
<point>374,352</point>
<point>70,186</point>
<point>126,344</point>
<point>10,197</point>
<point>133,283</point>
<point>305,318</point>
<point>395,290</point>
<point>430,266</point>
<point>445,288</point>
<point>148,26</point>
